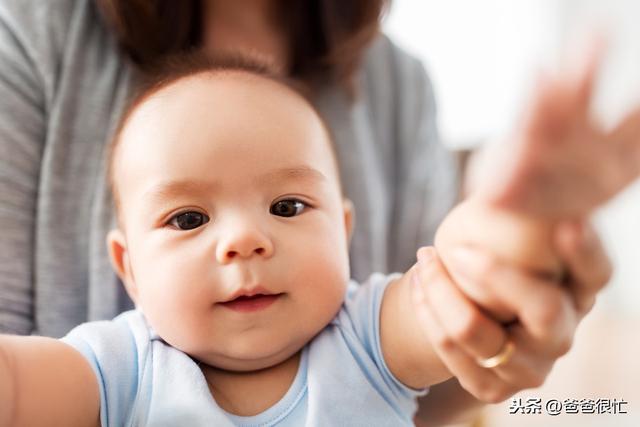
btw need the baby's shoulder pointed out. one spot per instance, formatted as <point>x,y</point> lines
<point>120,341</point>
<point>357,320</point>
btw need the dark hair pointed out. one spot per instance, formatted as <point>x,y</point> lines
<point>327,37</point>
<point>181,66</point>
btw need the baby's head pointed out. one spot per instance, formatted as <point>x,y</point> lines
<point>233,231</point>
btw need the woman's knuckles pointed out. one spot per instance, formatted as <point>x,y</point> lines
<point>446,343</point>
<point>549,311</point>
<point>564,346</point>
<point>533,377</point>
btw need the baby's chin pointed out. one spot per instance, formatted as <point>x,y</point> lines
<point>250,362</point>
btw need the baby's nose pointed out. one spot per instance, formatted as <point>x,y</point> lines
<point>243,241</point>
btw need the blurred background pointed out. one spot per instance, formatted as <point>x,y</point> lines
<point>483,57</point>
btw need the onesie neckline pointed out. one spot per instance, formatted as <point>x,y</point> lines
<point>284,406</point>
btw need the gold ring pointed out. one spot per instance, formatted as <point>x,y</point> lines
<point>501,358</point>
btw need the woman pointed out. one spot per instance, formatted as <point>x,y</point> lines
<point>72,65</point>
<point>67,68</point>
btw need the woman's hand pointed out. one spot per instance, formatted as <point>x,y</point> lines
<point>547,312</point>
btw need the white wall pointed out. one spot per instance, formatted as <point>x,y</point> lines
<point>478,53</point>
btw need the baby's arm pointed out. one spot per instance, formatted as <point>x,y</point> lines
<point>405,348</point>
<point>46,382</point>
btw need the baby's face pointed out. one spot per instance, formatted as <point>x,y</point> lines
<point>235,232</point>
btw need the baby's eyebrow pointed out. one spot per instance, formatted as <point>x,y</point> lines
<point>295,173</point>
<point>173,189</point>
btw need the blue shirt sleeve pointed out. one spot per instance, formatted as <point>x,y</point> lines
<point>360,322</point>
<point>113,349</point>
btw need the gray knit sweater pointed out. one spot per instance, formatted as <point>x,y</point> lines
<point>63,85</point>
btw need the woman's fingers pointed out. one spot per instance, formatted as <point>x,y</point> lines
<point>624,143</point>
<point>461,334</point>
<point>528,368</point>
<point>588,67</point>
<point>482,383</point>
<point>463,322</point>
<point>589,267</point>
<point>542,306</point>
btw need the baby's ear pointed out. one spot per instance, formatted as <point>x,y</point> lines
<point>119,255</point>
<point>349,217</point>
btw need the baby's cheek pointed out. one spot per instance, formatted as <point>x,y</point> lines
<point>324,284</point>
<point>169,294</point>
<point>175,317</point>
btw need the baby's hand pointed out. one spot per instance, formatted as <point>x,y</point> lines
<point>560,162</point>
<point>511,238</point>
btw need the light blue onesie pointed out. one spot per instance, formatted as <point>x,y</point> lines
<point>342,379</point>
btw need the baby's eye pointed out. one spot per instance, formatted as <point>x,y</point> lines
<point>189,220</point>
<point>287,207</point>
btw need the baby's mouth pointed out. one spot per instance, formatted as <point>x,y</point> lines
<point>251,302</point>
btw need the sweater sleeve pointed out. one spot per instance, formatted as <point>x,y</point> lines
<point>22,134</point>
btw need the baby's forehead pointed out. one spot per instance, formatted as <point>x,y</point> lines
<point>231,103</point>
<point>243,95</point>
<point>220,106</point>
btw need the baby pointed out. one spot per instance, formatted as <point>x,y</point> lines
<point>232,241</point>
